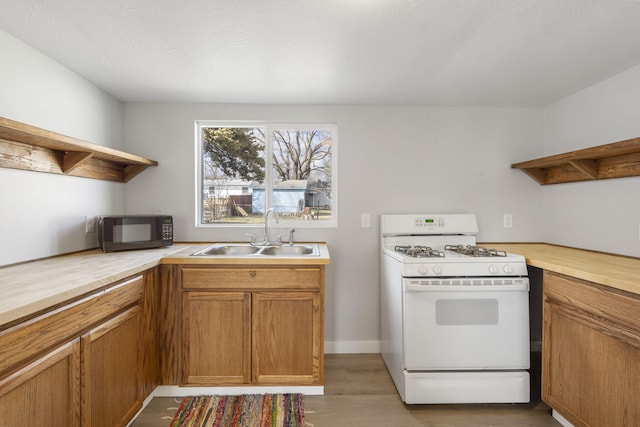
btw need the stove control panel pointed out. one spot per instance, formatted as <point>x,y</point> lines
<point>427,224</point>
<point>431,222</point>
<point>464,269</point>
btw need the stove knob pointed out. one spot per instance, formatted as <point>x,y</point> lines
<point>507,269</point>
<point>437,269</point>
<point>423,269</point>
<point>493,269</point>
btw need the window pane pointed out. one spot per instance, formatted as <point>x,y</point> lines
<point>301,173</point>
<point>233,162</point>
<point>244,170</point>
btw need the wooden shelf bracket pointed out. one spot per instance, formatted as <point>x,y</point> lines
<point>73,159</point>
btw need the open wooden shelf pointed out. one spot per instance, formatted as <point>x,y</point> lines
<point>27,147</point>
<point>616,160</point>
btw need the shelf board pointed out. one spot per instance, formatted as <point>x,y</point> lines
<point>616,160</point>
<point>28,147</point>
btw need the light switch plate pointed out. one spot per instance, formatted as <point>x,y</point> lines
<point>90,224</point>
<point>365,220</point>
<point>507,221</point>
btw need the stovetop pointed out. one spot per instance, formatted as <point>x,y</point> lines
<point>419,260</point>
<point>422,251</point>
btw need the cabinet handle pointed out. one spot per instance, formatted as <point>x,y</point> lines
<point>253,274</point>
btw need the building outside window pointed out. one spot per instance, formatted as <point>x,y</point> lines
<point>246,168</point>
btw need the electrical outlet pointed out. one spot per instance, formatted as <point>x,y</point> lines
<point>90,223</point>
<point>365,220</point>
<point>507,221</point>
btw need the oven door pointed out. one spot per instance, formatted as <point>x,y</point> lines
<point>449,325</point>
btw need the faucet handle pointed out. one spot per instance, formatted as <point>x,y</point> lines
<point>293,230</point>
<point>253,238</point>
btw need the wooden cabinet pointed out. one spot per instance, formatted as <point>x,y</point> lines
<point>217,337</point>
<point>78,364</point>
<point>246,325</point>
<point>591,352</point>
<point>286,338</point>
<point>46,392</point>
<point>112,370</point>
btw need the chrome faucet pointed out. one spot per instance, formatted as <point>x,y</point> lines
<point>267,238</point>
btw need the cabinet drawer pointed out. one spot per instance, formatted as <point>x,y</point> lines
<point>252,278</point>
<point>33,337</point>
<point>599,302</point>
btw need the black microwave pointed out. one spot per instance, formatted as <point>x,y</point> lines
<point>128,232</point>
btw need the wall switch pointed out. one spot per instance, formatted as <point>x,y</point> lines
<point>365,220</point>
<point>90,223</point>
<point>507,221</point>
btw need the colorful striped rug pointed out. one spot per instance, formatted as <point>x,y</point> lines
<point>250,410</point>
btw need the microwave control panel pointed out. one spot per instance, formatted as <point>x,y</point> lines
<point>167,231</point>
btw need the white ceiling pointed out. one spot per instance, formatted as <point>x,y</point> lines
<point>409,52</point>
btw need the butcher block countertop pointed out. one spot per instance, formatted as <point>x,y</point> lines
<point>34,287</point>
<point>615,271</point>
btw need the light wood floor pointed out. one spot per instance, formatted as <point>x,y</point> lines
<point>359,392</point>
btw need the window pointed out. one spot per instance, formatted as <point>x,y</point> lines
<point>246,168</point>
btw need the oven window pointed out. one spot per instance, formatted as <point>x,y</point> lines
<point>467,312</point>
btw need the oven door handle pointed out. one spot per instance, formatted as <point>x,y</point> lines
<point>466,288</point>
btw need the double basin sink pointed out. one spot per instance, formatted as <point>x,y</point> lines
<point>246,250</point>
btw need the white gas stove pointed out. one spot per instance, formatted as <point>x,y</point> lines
<point>455,326</point>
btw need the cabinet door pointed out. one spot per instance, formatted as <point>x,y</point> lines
<point>591,354</point>
<point>44,393</point>
<point>111,371</point>
<point>216,332</point>
<point>287,338</point>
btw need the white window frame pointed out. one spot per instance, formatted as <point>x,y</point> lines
<point>268,181</point>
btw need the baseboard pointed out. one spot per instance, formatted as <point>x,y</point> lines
<point>562,420</point>
<point>351,347</point>
<point>177,391</point>
<point>144,405</point>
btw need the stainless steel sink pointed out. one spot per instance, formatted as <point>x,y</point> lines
<point>246,250</point>
<point>295,250</point>
<point>228,250</point>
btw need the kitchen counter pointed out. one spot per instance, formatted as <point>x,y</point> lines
<point>616,271</point>
<point>32,287</point>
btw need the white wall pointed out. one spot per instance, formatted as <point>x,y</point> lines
<point>44,214</point>
<point>391,160</point>
<point>602,215</point>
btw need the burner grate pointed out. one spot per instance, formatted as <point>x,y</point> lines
<point>419,251</point>
<point>474,251</point>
